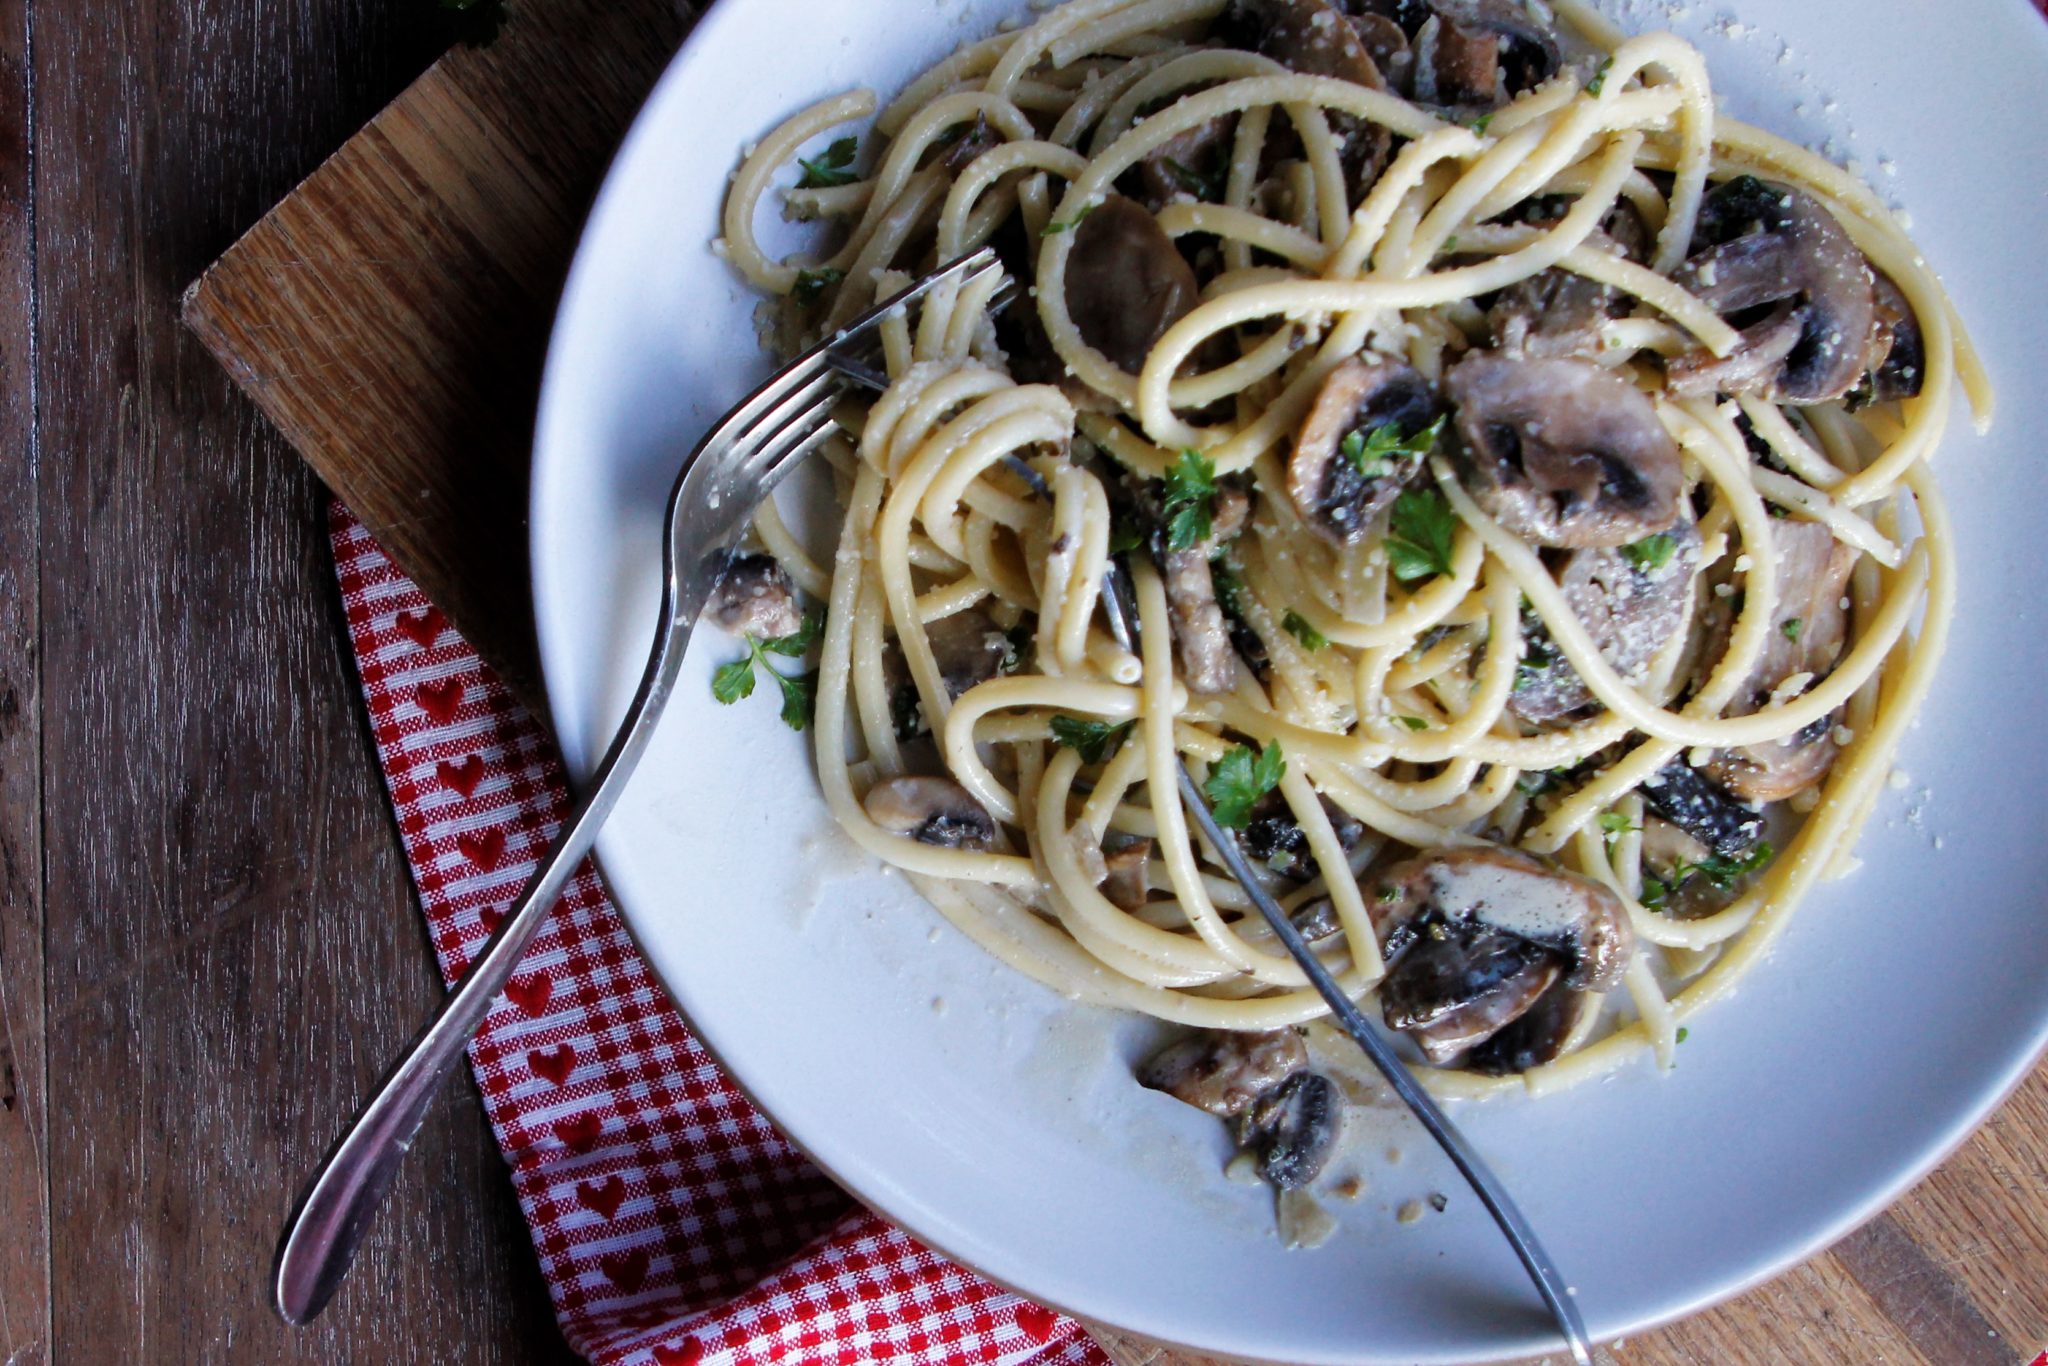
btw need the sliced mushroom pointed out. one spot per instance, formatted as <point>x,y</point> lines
<point>1701,812</point>
<point>1274,838</point>
<point>1315,38</point>
<point>1631,601</point>
<point>1668,850</point>
<point>1292,1129</point>
<point>1127,875</point>
<point>935,811</point>
<point>1201,632</point>
<point>1127,282</point>
<point>1188,165</point>
<point>1481,53</point>
<point>1558,312</point>
<point>1472,937</point>
<point>1777,264</point>
<point>1386,42</point>
<point>1316,920</point>
<point>1537,1036</point>
<point>1336,493</point>
<point>1808,629</point>
<point>755,597</point>
<point>969,649</point>
<point>1223,1071</point>
<point>1563,452</point>
<point>1903,368</point>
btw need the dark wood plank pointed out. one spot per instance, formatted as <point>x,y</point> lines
<point>391,316</point>
<point>24,1250</point>
<point>232,951</point>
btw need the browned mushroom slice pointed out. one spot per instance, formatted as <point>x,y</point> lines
<point>756,598</point>
<point>1127,875</point>
<point>1337,484</point>
<point>1481,52</point>
<point>1201,631</point>
<point>1189,165</point>
<point>1223,1071</point>
<point>1699,818</point>
<point>1127,282</point>
<point>1316,920</point>
<point>1537,1036</point>
<point>969,649</point>
<point>1631,600</point>
<point>1474,937</point>
<point>1315,38</point>
<point>1903,368</point>
<point>1274,838</point>
<point>1773,261</point>
<point>1557,312</point>
<point>935,811</point>
<point>1292,1129</point>
<point>1563,452</point>
<point>1808,629</point>
<point>1387,44</point>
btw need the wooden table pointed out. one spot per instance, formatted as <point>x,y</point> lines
<point>207,945</point>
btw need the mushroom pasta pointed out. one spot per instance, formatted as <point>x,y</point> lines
<point>1525,476</point>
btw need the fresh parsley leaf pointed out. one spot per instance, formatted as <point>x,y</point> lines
<point>731,682</point>
<point>1479,124</point>
<point>1190,486</point>
<point>1614,824</point>
<point>812,283</point>
<point>1656,891</point>
<point>1651,553</point>
<point>1389,895</point>
<point>1683,1033</point>
<point>1069,224</point>
<point>1201,186</point>
<point>1421,535</point>
<point>1413,722</point>
<point>1239,779</point>
<point>1094,741</point>
<point>1599,81</point>
<point>799,642</point>
<point>1372,453</point>
<point>1124,536</point>
<point>1229,588</point>
<point>834,167</point>
<point>1718,869</point>
<point>799,695</point>
<point>1791,628</point>
<point>1297,625</point>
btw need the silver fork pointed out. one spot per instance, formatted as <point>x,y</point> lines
<point>725,478</point>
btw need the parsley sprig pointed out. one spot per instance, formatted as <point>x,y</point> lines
<point>733,681</point>
<point>1094,741</point>
<point>1239,779</point>
<point>1373,453</point>
<point>1421,535</point>
<point>812,283</point>
<point>1299,626</point>
<point>1718,869</point>
<point>1651,553</point>
<point>1190,491</point>
<point>832,168</point>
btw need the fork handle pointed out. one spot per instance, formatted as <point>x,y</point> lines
<point>333,1212</point>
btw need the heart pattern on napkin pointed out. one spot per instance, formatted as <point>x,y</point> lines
<point>674,1225</point>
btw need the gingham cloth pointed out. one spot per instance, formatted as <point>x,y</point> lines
<point>673,1223</point>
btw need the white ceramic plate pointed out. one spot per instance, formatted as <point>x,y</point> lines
<point>998,1122</point>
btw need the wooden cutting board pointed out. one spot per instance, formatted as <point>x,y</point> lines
<point>390,317</point>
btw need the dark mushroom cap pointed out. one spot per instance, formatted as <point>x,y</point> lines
<point>969,649</point>
<point>1274,838</point>
<point>1315,38</point>
<point>1630,606</point>
<point>1481,53</point>
<point>1336,498</point>
<point>1537,1036</point>
<point>1292,1129</point>
<point>1563,452</point>
<point>1682,795</point>
<point>1775,262</point>
<point>755,598</point>
<point>936,811</point>
<point>1127,282</point>
<point>1223,1071</point>
<point>1902,369</point>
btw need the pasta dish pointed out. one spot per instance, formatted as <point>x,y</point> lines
<point>1524,473</point>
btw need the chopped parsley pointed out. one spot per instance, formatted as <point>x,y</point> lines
<point>1616,824</point>
<point>1791,628</point>
<point>1239,779</point>
<point>1651,553</point>
<point>812,283</point>
<point>1201,186</point>
<point>1372,453</point>
<point>1599,81</point>
<point>833,168</point>
<point>1094,741</point>
<point>1389,895</point>
<point>1124,536</point>
<point>1420,537</point>
<point>1060,225</point>
<point>732,681</point>
<point>1479,124</point>
<point>1229,588</point>
<point>1683,1033</point>
<point>1413,722</point>
<point>1718,869</point>
<point>1298,626</point>
<point>1190,487</point>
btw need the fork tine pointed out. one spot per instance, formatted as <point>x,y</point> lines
<point>796,437</point>
<point>763,428</point>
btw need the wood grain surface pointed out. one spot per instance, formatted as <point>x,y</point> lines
<point>388,317</point>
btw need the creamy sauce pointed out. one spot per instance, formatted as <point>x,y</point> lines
<point>1532,905</point>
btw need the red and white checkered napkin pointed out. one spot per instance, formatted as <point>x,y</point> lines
<point>673,1223</point>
